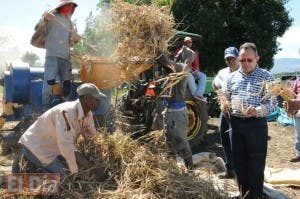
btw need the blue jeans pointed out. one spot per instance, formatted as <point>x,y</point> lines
<point>55,69</point>
<point>297,132</point>
<point>197,89</point>
<point>56,166</point>
<point>226,142</point>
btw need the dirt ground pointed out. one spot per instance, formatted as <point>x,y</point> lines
<point>280,149</point>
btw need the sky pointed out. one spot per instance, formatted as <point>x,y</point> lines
<point>18,18</point>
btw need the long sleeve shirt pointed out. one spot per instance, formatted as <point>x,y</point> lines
<point>245,90</point>
<point>220,81</point>
<point>55,132</point>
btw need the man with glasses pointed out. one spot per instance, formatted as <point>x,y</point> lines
<point>230,55</point>
<point>248,111</point>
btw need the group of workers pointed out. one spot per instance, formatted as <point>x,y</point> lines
<point>243,124</point>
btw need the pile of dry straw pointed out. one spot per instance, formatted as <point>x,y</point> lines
<point>142,31</point>
<point>135,171</point>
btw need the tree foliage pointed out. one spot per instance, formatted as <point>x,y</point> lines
<point>224,23</point>
<point>30,58</point>
<point>97,37</point>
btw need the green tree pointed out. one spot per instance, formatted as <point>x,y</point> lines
<point>158,2</point>
<point>30,58</point>
<point>224,23</point>
<point>97,37</point>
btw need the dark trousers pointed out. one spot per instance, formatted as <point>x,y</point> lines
<point>249,147</point>
<point>226,142</point>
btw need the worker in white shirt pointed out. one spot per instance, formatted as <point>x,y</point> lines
<point>53,135</point>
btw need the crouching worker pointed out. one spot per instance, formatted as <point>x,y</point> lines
<point>176,114</point>
<point>51,138</point>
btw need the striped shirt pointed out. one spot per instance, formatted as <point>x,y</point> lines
<point>246,90</point>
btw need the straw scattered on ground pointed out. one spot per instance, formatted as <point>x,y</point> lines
<point>135,171</point>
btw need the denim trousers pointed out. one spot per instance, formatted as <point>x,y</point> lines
<point>55,69</point>
<point>249,147</point>
<point>297,132</point>
<point>225,136</point>
<point>199,88</point>
<point>56,166</point>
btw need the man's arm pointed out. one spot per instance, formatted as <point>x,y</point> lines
<point>292,105</point>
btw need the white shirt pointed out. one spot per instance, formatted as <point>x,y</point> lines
<point>55,132</point>
<point>220,80</point>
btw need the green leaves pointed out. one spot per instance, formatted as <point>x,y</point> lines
<point>224,23</point>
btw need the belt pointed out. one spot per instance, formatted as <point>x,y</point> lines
<point>247,118</point>
<point>174,109</point>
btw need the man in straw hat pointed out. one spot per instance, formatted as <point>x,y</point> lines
<point>53,135</point>
<point>58,38</point>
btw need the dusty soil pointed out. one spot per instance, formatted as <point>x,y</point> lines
<point>280,149</point>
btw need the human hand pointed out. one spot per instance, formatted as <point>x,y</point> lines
<point>292,106</point>
<point>99,173</point>
<point>76,37</point>
<point>251,112</point>
<point>225,108</point>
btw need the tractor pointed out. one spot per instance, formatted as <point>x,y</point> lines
<point>136,109</point>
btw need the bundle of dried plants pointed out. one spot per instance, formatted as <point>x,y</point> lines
<point>135,171</point>
<point>142,32</point>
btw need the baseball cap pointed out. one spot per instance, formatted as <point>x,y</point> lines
<point>187,39</point>
<point>231,52</point>
<point>90,89</point>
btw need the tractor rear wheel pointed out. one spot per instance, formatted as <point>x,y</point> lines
<point>197,114</point>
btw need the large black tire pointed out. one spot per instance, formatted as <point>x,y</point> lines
<point>197,113</point>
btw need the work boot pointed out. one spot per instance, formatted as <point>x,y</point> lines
<point>189,163</point>
<point>227,175</point>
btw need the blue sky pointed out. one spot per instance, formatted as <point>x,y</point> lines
<point>18,17</point>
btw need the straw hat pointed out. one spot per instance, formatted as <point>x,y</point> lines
<point>64,2</point>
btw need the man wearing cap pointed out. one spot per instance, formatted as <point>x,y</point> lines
<point>53,135</point>
<point>230,55</point>
<point>59,36</point>
<point>182,55</point>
